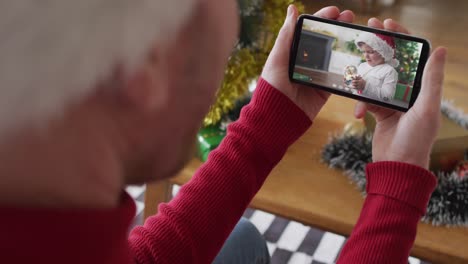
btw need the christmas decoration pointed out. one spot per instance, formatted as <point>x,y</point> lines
<point>449,201</point>
<point>355,128</point>
<point>350,153</point>
<point>208,139</point>
<point>448,205</point>
<point>403,92</point>
<point>260,23</point>
<point>242,68</point>
<point>406,53</point>
<point>252,17</point>
<point>462,168</point>
<point>350,73</point>
<point>455,114</point>
<point>351,48</point>
<point>234,114</point>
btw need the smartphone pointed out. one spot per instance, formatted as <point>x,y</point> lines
<point>372,65</point>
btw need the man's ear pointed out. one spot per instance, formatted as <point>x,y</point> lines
<point>147,86</point>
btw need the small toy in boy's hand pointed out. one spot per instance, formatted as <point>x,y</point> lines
<point>350,74</point>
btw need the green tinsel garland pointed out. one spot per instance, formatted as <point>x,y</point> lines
<point>448,204</point>
<point>261,21</point>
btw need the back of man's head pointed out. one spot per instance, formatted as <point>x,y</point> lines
<point>54,53</point>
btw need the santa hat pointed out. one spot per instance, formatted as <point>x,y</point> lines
<point>53,53</point>
<point>383,44</point>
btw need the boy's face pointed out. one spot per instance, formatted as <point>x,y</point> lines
<point>373,58</point>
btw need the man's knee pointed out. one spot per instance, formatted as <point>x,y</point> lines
<point>244,245</point>
<point>248,229</point>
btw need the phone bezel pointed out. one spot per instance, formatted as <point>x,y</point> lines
<point>417,80</point>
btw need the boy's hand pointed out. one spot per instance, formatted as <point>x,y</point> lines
<point>359,83</point>
<point>275,72</point>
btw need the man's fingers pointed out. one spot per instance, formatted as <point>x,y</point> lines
<point>432,82</point>
<point>389,24</point>
<point>379,113</point>
<point>346,16</point>
<point>280,53</point>
<point>286,34</point>
<point>330,12</point>
<point>392,25</point>
<point>360,109</point>
<point>375,23</point>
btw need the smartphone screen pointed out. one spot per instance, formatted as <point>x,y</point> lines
<point>367,64</point>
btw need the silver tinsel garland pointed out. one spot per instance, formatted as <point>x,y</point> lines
<point>448,109</point>
<point>448,204</point>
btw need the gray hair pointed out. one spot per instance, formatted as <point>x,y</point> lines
<point>53,52</point>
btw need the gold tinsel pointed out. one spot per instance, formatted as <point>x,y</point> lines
<point>355,128</point>
<point>246,64</point>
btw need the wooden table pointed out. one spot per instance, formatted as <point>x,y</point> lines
<point>304,189</point>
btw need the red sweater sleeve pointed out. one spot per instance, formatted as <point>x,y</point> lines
<point>398,194</point>
<point>194,225</point>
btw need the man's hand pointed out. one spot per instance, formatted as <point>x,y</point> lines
<point>275,72</point>
<point>408,137</point>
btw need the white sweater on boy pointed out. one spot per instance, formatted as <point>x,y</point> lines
<point>380,80</point>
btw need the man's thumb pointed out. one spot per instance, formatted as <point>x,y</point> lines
<point>433,79</point>
<point>286,33</point>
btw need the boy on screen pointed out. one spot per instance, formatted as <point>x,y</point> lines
<point>377,76</point>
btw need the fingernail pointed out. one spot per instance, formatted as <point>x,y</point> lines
<point>290,10</point>
<point>357,111</point>
<point>443,53</point>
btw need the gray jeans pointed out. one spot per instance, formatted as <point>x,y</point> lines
<point>245,245</point>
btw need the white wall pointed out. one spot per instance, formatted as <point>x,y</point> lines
<point>344,34</point>
<point>340,60</point>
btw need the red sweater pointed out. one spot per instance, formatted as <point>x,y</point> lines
<point>193,226</point>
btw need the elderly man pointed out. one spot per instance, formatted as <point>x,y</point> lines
<point>97,94</point>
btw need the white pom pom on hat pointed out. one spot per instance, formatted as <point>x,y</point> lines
<point>383,44</point>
